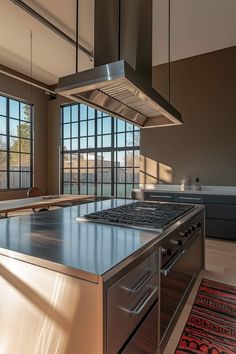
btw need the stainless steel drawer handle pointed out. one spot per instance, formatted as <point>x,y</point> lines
<point>189,198</point>
<point>140,283</point>
<point>138,309</point>
<point>166,270</point>
<point>160,196</point>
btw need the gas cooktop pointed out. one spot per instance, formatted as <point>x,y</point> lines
<point>145,215</point>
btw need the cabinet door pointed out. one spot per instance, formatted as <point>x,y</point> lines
<point>145,340</point>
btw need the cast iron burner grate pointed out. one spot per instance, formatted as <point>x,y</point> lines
<point>145,215</point>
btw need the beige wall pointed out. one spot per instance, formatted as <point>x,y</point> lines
<point>21,90</point>
<point>203,89</point>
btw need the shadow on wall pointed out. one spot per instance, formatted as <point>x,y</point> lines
<point>154,172</point>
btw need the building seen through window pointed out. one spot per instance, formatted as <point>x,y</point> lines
<point>15,144</point>
<point>100,154</point>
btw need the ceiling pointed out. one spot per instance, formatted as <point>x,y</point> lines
<point>197,27</point>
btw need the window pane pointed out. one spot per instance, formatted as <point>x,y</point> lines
<point>120,158</point>
<point>74,175</point>
<point>136,138</point>
<point>25,145</point>
<point>66,114</point>
<point>120,175</point>
<point>106,140</point>
<point>83,188</point>
<point>106,190</point>
<point>66,131</point>
<point>129,158</point>
<point>99,175</point>
<point>91,127</point>
<point>120,190</point>
<point>99,190</point>
<point>3,179</point>
<point>129,188</point>
<point>25,162</point>
<point>14,127</point>
<point>74,144</point>
<point>3,160</point>
<point>106,161</point>
<point>66,188</point>
<point>3,125</point>
<point>120,125</point>
<point>66,160</point>
<point>91,175</point>
<point>129,175</point>
<point>107,175</point>
<point>66,175</point>
<point>25,130</point>
<point>25,113</point>
<point>136,158</point>
<point>99,141</point>
<point>74,113</point>
<point>74,131</point>
<point>15,144</point>
<point>14,179</point>
<point>66,144</point>
<point>83,160</point>
<point>129,139</point>
<point>14,108</point>
<point>99,126</point>
<point>99,114</point>
<point>14,161</point>
<point>91,143</point>
<point>75,188</point>
<point>91,113</point>
<point>83,175</point>
<point>107,125</point>
<point>129,127</point>
<point>83,128</point>
<point>136,175</point>
<point>83,143</point>
<point>91,189</point>
<point>25,179</point>
<point>3,142</point>
<point>3,105</point>
<point>83,112</point>
<point>74,160</point>
<point>120,140</point>
<point>91,160</point>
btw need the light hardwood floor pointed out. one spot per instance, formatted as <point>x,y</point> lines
<point>220,266</point>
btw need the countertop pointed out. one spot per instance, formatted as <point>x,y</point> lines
<point>211,190</point>
<point>56,240</point>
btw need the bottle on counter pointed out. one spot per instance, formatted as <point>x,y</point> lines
<point>197,185</point>
<point>184,184</point>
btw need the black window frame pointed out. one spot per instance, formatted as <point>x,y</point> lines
<point>8,171</point>
<point>93,187</point>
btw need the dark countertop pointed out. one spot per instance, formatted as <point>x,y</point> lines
<point>56,240</point>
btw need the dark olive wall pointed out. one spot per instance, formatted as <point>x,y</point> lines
<point>203,89</point>
<point>21,90</point>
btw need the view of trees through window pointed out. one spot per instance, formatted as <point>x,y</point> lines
<point>15,144</point>
<point>100,154</point>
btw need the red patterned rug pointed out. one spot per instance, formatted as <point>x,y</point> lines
<point>211,326</point>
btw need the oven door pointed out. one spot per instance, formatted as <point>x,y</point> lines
<point>176,278</point>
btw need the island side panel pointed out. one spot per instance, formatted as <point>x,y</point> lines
<point>45,312</point>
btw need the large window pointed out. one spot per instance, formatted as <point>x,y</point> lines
<point>100,154</point>
<point>15,144</point>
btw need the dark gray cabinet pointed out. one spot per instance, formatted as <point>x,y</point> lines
<point>220,210</point>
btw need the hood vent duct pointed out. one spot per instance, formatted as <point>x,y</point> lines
<point>120,82</point>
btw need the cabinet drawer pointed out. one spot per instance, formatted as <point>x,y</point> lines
<point>129,300</point>
<point>220,199</point>
<point>225,229</point>
<point>189,198</point>
<point>227,212</point>
<point>160,197</point>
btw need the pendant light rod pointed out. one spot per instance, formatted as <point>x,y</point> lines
<point>77,36</point>
<point>52,27</point>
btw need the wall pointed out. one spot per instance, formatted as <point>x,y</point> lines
<point>21,90</point>
<point>203,89</point>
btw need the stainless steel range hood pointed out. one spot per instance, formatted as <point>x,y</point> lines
<point>122,87</point>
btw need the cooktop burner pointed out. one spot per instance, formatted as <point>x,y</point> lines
<point>144,215</point>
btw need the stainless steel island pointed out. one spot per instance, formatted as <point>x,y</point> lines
<point>70,287</point>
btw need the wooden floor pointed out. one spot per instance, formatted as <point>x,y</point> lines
<point>220,266</point>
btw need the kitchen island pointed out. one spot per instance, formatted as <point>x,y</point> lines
<point>60,280</point>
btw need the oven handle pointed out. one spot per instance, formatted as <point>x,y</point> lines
<point>166,270</point>
<point>140,283</point>
<point>139,308</point>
